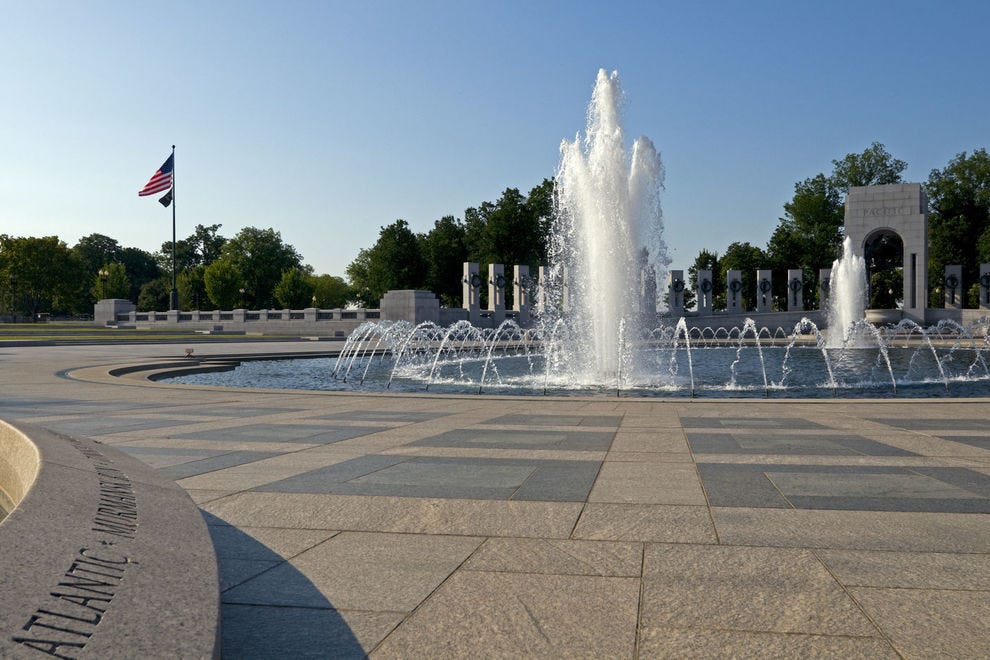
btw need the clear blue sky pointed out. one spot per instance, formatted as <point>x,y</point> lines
<point>326,120</point>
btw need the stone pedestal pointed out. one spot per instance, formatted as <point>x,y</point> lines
<point>952,287</point>
<point>824,284</point>
<point>648,295</point>
<point>541,290</point>
<point>410,305</point>
<point>471,287</point>
<point>496,293</point>
<point>521,286</point>
<point>764,291</point>
<point>675,292</point>
<point>704,293</point>
<point>795,290</point>
<point>733,292</point>
<point>106,311</point>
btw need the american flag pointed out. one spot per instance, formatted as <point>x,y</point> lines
<point>160,180</point>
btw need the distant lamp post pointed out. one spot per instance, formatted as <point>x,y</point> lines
<point>242,297</point>
<point>104,276</point>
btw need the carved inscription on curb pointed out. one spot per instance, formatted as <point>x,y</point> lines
<point>84,592</point>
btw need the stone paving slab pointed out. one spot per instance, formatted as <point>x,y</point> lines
<point>348,525</point>
<point>515,615</point>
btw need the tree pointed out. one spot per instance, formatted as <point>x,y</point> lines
<point>192,288</point>
<point>445,252</point>
<point>141,268</point>
<point>809,235</point>
<point>43,274</point>
<point>748,259</point>
<point>874,167</point>
<point>201,248</point>
<point>506,232</point>
<point>395,262</point>
<point>260,256</point>
<point>294,290</point>
<point>539,204</point>
<point>111,282</point>
<point>959,222</point>
<point>154,295</point>
<point>331,292</point>
<point>359,273</point>
<point>95,251</point>
<point>223,282</point>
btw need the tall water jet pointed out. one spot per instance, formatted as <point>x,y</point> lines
<point>847,297</point>
<point>606,243</point>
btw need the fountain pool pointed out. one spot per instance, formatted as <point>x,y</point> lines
<point>908,361</point>
<point>597,334</point>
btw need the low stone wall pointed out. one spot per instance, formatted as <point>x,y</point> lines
<point>302,322</point>
<point>101,557</point>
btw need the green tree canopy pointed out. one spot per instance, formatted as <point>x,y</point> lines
<point>260,256</point>
<point>331,292</point>
<point>154,295</point>
<point>111,281</point>
<point>508,231</point>
<point>201,248</point>
<point>41,275</point>
<point>223,282</point>
<point>445,251</point>
<point>874,167</point>
<point>294,290</point>
<point>141,268</point>
<point>192,288</point>
<point>96,250</point>
<point>394,262</point>
<point>959,221</point>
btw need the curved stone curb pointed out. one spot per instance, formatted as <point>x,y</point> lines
<point>104,558</point>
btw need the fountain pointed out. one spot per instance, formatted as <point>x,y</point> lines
<point>607,213</point>
<point>847,299</point>
<point>596,335</point>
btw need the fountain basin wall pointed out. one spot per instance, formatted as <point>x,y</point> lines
<point>89,517</point>
<point>771,320</point>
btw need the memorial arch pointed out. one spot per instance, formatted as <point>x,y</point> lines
<point>877,218</point>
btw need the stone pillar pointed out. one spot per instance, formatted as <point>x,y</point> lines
<point>541,291</point>
<point>675,292</point>
<point>106,311</point>
<point>704,292</point>
<point>984,286</point>
<point>952,285</point>
<point>472,290</point>
<point>824,285</point>
<point>733,292</point>
<point>496,292</point>
<point>795,290</point>
<point>407,305</point>
<point>521,284</point>
<point>764,291</point>
<point>648,294</point>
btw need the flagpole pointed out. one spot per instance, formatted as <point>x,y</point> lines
<point>174,296</point>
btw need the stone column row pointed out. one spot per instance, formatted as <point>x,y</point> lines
<point>471,289</point>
